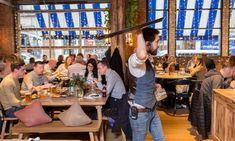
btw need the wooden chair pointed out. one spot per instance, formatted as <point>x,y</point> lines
<point>184,94</point>
<point>5,119</point>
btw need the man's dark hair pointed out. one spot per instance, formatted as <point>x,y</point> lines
<point>11,58</point>
<point>17,64</point>
<point>230,62</point>
<point>38,63</point>
<point>73,55</point>
<point>80,54</point>
<point>105,63</point>
<point>149,34</point>
<point>210,64</point>
<point>31,60</point>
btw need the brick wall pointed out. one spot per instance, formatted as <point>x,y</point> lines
<point>6,30</point>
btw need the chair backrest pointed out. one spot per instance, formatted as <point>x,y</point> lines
<point>181,86</point>
<point>181,82</point>
<point>2,113</point>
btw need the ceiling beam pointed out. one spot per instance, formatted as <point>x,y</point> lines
<point>31,2</point>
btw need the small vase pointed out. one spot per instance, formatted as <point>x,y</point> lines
<point>72,90</point>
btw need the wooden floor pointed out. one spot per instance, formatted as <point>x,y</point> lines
<point>175,129</point>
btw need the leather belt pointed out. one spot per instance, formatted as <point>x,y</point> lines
<point>144,110</point>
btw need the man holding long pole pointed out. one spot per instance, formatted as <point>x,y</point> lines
<point>143,115</point>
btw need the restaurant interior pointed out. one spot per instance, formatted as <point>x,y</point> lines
<point>117,70</point>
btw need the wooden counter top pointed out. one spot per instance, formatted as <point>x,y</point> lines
<point>229,94</point>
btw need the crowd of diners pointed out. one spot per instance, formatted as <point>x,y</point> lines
<point>38,75</point>
<point>18,77</point>
<point>208,75</point>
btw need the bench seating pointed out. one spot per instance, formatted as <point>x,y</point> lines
<point>58,127</point>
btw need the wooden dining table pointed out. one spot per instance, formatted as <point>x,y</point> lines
<point>68,101</point>
<point>97,102</point>
<point>172,75</point>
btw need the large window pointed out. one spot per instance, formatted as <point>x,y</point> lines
<point>55,29</point>
<point>158,9</point>
<point>198,27</point>
<point>232,28</point>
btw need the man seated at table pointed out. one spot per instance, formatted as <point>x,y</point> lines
<point>114,82</point>
<point>49,68</point>
<point>116,89</point>
<point>77,68</point>
<point>6,64</point>
<point>10,89</point>
<point>35,80</point>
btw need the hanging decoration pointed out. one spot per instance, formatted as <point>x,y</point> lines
<point>129,39</point>
<point>107,40</point>
<point>131,18</point>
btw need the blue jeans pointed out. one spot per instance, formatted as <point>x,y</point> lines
<point>147,121</point>
<point>10,112</point>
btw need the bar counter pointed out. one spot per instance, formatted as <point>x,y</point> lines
<point>223,115</point>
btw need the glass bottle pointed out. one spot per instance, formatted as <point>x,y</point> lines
<point>104,91</point>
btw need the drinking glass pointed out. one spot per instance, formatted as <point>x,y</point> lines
<point>28,96</point>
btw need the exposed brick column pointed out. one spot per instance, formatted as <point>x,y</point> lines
<point>6,30</point>
<point>225,28</point>
<point>171,28</point>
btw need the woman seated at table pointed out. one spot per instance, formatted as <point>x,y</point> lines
<point>164,61</point>
<point>91,71</point>
<point>171,63</point>
<point>199,69</point>
<point>191,63</point>
<point>62,71</point>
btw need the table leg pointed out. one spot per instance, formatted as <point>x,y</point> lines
<point>99,113</point>
<point>92,138</point>
<point>20,136</point>
<point>102,132</point>
<point>96,137</point>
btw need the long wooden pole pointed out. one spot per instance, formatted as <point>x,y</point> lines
<point>100,37</point>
